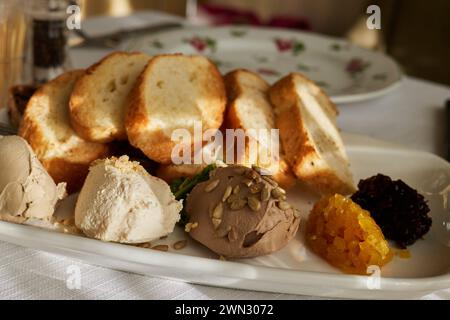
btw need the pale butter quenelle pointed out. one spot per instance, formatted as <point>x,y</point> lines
<point>121,202</point>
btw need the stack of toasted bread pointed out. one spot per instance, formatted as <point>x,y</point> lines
<point>75,118</point>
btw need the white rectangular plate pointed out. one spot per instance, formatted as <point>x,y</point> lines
<point>294,269</point>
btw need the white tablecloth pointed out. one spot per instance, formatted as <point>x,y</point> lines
<point>413,116</point>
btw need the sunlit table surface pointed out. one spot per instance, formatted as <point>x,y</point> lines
<point>412,116</point>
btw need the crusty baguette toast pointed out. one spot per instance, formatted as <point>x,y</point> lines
<point>307,121</point>
<point>173,92</point>
<point>171,172</point>
<point>99,98</point>
<point>209,153</point>
<point>249,108</point>
<point>46,127</point>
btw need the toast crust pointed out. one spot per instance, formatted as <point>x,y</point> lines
<point>70,166</point>
<point>86,123</point>
<point>305,161</point>
<point>283,94</point>
<point>171,172</point>
<point>284,176</point>
<point>153,141</point>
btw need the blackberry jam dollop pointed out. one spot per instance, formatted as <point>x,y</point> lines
<point>399,210</point>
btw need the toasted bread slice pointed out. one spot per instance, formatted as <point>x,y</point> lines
<point>46,127</point>
<point>249,108</point>
<point>307,121</point>
<point>170,172</point>
<point>208,153</point>
<point>98,100</point>
<point>174,92</point>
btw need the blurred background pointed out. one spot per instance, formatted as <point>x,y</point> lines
<point>415,32</point>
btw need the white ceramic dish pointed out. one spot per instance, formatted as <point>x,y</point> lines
<point>346,72</point>
<point>294,269</point>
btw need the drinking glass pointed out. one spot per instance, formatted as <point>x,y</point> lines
<point>13,46</point>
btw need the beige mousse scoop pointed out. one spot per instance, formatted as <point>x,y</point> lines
<point>121,202</point>
<point>240,213</point>
<point>26,189</point>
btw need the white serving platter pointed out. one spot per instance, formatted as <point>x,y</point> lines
<point>346,72</point>
<point>294,269</point>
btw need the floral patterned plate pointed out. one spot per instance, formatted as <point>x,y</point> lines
<point>346,72</point>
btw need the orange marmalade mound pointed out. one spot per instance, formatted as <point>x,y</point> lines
<point>346,236</point>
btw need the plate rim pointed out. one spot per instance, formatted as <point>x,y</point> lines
<point>237,270</point>
<point>338,99</point>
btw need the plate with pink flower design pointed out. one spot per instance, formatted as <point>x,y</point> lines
<point>346,72</point>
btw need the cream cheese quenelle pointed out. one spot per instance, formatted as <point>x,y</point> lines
<point>240,213</point>
<point>26,189</point>
<point>121,202</point>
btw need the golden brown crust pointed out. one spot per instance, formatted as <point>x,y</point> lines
<point>62,170</point>
<point>82,121</point>
<point>136,123</point>
<point>31,131</point>
<point>286,92</point>
<point>234,90</point>
<point>300,153</point>
<point>293,138</point>
<point>232,121</point>
<point>153,142</point>
<point>170,172</point>
<point>217,85</point>
<point>72,166</point>
<point>232,86</point>
<point>282,93</point>
<point>284,176</point>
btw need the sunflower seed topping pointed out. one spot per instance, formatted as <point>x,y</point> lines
<point>212,185</point>
<point>265,193</point>
<point>283,205</point>
<point>227,193</point>
<point>251,174</point>
<point>278,193</point>
<point>236,189</point>
<point>255,188</point>
<point>216,222</point>
<point>218,211</point>
<point>161,247</point>
<point>254,203</point>
<point>190,225</point>
<point>232,198</point>
<point>223,231</point>
<point>281,190</point>
<point>270,181</point>
<point>180,244</point>
<point>238,204</point>
<point>247,182</point>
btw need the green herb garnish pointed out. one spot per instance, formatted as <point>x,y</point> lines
<point>183,186</point>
